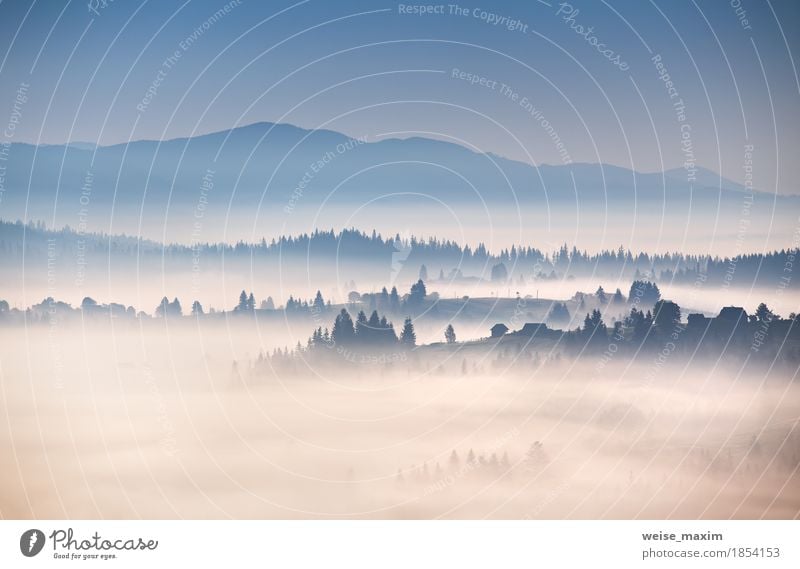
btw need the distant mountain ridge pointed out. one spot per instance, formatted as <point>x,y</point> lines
<point>269,179</point>
<point>271,159</point>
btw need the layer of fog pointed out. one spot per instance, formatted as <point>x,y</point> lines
<point>158,422</point>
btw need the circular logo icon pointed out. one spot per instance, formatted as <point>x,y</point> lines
<point>31,542</point>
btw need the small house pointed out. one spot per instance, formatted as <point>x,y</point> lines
<point>499,330</point>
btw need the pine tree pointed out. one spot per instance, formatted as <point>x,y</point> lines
<point>361,327</point>
<point>450,334</point>
<point>243,302</point>
<point>319,303</point>
<point>418,294</point>
<point>602,298</point>
<point>162,309</point>
<point>394,300</point>
<point>197,308</point>
<point>343,331</point>
<point>407,337</point>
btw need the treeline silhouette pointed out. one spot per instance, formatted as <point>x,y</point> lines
<point>443,259</point>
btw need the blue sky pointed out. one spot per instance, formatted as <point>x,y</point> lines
<point>368,70</point>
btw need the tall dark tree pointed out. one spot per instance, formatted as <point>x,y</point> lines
<point>418,293</point>
<point>242,306</point>
<point>373,328</point>
<point>408,338</point>
<point>388,335</point>
<point>666,315</point>
<point>343,331</point>
<point>197,308</point>
<point>162,309</point>
<point>394,300</point>
<point>593,325</point>
<point>319,303</point>
<point>251,302</point>
<point>764,314</point>
<point>175,308</point>
<point>362,330</point>
<point>450,334</point>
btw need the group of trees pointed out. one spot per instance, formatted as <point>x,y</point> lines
<point>386,301</point>
<point>644,292</point>
<point>373,332</point>
<point>603,298</point>
<point>166,308</point>
<point>373,254</point>
<point>662,320</point>
<point>661,326</point>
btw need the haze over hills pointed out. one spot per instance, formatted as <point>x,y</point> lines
<point>256,176</point>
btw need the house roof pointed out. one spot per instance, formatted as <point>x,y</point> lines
<point>732,313</point>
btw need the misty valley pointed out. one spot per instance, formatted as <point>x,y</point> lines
<point>402,379</point>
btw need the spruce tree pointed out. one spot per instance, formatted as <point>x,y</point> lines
<point>407,337</point>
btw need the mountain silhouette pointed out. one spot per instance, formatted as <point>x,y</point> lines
<point>265,163</point>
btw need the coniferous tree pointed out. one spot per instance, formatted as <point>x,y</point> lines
<point>242,306</point>
<point>361,327</point>
<point>197,308</point>
<point>423,273</point>
<point>450,334</point>
<point>408,338</point>
<point>394,300</point>
<point>162,309</point>
<point>666,315</point>
<point>418,293</point>
<point>319,303</point>
<point>593,326</point>
<point>764,314</point>
<point>343,331</point>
